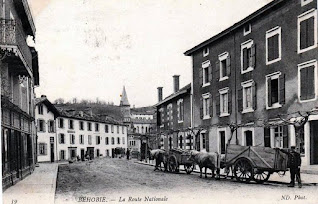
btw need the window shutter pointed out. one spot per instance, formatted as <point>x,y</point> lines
<point>44,126</point>
<point>310,82</point>
<point>270,49</point>
<point>38,148</point>
<point>201,76</point>
<point>269,92</point>
<point>254,92</point>
<point>253,55</point>
<point>228,65</point>
<point>285,136</point>
<point>267,137</point>
<point>207,148</point>
<point>245,59</point>
<point>240,99</point>
<point>70,139</point>
<point>201,108</point>
<point>60,139</point>
<point>217,70</point>
<point>282,89</point>
<point>275,46</point>
<point>217,101</point>
<point>303,84</point>
<point>310,32</point>
<point>229,101</point>
<point>45,149</point>
<point>303,34</point>
<point>210,72</point>
<point>211,106</point>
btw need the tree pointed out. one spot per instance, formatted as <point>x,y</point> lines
<point>59,101</point>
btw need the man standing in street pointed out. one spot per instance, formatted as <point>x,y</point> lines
<point>294,166</point>
<point>128,153</point>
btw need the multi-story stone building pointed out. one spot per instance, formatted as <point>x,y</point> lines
<point>174,118</point>
<point>67,134</point>
<point>19,76</point>
<point>256,75</point>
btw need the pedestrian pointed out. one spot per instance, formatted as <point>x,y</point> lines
<point>294,160</point>
<point>128,153</point>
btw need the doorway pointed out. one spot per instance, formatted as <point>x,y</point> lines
<point>314,142</point>
<point>82,154</point>
<point>248,138</point>
<point>90,152</point>
<point>52,148</point>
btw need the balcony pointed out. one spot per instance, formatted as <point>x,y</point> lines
<point>13,43</point>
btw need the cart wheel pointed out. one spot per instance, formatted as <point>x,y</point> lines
<point>243,170</point>
<point>189,168</point>
<point>261,176</point>
<point>173,164</point>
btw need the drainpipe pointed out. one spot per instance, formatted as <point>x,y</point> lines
<point>235,85</point>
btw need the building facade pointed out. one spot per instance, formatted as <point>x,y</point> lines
<point>174,118</point>
<point>68,134</point>
<point>260,77</point>
<point>19,76</point>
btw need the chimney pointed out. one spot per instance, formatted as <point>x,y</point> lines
<point>176,83</point>
<point>160,94</point>
<point>43,96</point>
<point>81,113</point>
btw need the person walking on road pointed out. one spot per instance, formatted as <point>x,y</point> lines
<point>128,153</point>
<point>294,166</point>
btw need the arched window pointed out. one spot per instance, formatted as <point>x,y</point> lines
<point>181,140</point>
<point>142,129</point>
<point>146,129</point>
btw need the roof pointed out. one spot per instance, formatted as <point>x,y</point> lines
<point>143,121</point>
<point>148,110</point>
<point>256,14</point>
<point>45,101</point>
<point>124,99</point>
<point>183,90</point>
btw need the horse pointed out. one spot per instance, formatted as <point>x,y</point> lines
<point>206,160</point>
<point>161,157</point>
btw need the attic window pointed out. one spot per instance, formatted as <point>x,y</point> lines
<point>205,52</point>
<point>247,29</point>
<point>305,2</point>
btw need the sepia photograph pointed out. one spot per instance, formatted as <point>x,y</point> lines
<point>159,101</point>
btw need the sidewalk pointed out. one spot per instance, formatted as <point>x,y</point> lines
<point>39,187</point>
<point>307,178</point>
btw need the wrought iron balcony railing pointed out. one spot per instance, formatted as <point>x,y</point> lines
<point>13,38</point>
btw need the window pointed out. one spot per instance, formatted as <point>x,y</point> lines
<point>71,124</point>
<point>205,52</point>
<point>132,143</point>
<point>137,129</point>
<point>97,140</point>
<point>112,128</point>
<point>248,136</point>
<point>113,141</point>
<point>247,97</point>
<point>169,114</point>
<point>281,136</point>
<point>267,137</point>
<point>223,65</point>
<point>247,56</point>
<point>89,126</point>
<point>305,2</point>
<point>51,126</point>
<point>123,129</point>
<point>118,140</point>
<point>307,31</point>
<point>247,29</point>
<point>62,155</point>
<point>222,141</point>
<point>81,125</point>
<point>89,139</point>
<point>40,109</point>
<point>161,117</point>
<point>300,144</point>
<point>96,127</point>
<point>180,110</point>
<point>307,81</point>
<point>106,128</point>
<point>275,91</point>
<point>206,73</point>
<point>206,106</point>
<point>62,138</point>
<point>180,142</point>
<point>61,123</point>
<point>81,139</point>
<point>117,129</point>
<point>223,103</point>
<point>123,139</point>
<point>273,45</point>
<point>106,141</point>
<point>72,139</point>
<point>42,149</point>
<point>41,125</point>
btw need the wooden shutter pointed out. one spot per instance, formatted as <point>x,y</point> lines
<point>217,70</point>
<point>275,46</point>
<point>303,84</point>
<point>267,137</point>
<point>240,99</point>
<point>253,55</point>
<point>270,45</point>
<point>45,148</point>
<point>245,59</point>
<point>201,76</point>
<point>254,95</point>
<point>228,65</point>
<point>217,101</point>
<point>310,82</point>
<point>303,34</point>
<point>310,32</point>
<point>201,107</point>
<point>229,101</point>
<point>70,138</point>
<point>211,105</point>
<point>282,89</point>
<point>59,138</point>
<point>207,148</point>
<point>210,72</point>
<point>269,91</point>
<point>285,136</point>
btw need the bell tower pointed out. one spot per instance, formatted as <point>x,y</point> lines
<point>125,106</point>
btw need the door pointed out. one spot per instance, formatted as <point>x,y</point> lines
<point>249,138</point>
<point>82,154</point>
<point>314,142</point>
<point>52,148</point>
<point>97,152</point>
<point>90,151</point>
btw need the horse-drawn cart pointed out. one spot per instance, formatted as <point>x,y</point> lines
<point>254,162</point>
<point>177,157</point>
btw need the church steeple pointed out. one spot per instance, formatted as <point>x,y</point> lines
<point>124,98</point>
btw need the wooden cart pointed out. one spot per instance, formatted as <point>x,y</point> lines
<point>254,162</point>
<point>179,157</point>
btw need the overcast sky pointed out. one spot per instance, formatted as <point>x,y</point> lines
<point>92,48</point>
